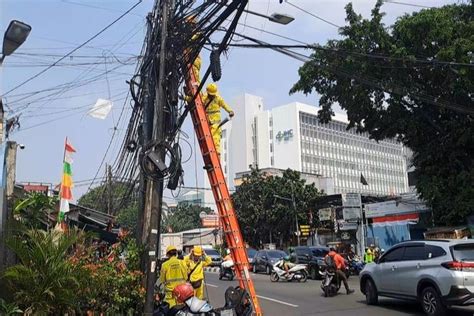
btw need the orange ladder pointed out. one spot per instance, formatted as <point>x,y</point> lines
<point>225,207</point>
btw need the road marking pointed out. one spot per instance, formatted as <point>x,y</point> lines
<point>263,297</point>
<point>211,285</point>
<point>276,301</point>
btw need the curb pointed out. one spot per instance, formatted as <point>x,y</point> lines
<point>211,269</point>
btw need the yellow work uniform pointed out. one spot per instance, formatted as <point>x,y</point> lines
<point>198,273</point>
<point>173,272</point>
<point>213,111</point>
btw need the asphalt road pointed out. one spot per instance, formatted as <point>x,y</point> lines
<point>292,298</point>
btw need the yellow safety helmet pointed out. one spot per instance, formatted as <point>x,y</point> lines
<point>197,251</point>
<point>171,248</point>
<point>211,89</point>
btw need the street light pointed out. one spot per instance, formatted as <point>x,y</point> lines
<point>297,231</point>
<point>279,18</point>
<point>15,35</point>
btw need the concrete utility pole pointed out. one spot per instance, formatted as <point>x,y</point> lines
<point>7,206</point>
<point>154,192</point>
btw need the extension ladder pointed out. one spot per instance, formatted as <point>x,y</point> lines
<point>225,207</point>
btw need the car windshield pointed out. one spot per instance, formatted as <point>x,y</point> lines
<point>212,252</point>
<point>251,253</point>
<point>276,254</point>
<point>464,252</point>
<point>319,252</point>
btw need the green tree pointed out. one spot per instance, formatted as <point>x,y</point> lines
<point>33,208</point>
<point>121,197</point>
<point>183,217</point>
<point>45,281</point>
<point>264,216</point>
<point>412,81</point>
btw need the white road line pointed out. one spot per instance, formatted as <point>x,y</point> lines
<point>263,297</point>
<point>211,285</point>
<point>276,301</point>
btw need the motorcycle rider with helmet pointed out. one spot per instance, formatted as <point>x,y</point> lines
<point>340,266</point>
<point>285,264</point>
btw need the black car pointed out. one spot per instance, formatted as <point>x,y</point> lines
<point>313,256</point>
<point>251,255</point>
<point>265,259</point>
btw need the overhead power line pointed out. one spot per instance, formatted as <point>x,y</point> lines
<point>409,4</point>
<point>372,82</point>
<point>312,14</point>
<point>74,50</point>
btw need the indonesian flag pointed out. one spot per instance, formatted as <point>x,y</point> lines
<point>66,182</point>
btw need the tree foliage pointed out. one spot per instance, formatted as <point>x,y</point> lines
<point>392,83</point>
<point>121,197</point>
<point>32,209</point>
<point>184,217</point>
<point>264,216</point>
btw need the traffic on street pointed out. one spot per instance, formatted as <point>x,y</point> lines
<point>291,298</point>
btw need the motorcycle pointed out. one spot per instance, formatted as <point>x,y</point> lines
<point>331,283</point>
<point>226,270</point>
<point>237,302</point>
<point>355,266</point>
<point>297,273</point>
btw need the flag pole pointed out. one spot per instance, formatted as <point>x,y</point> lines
<point>62,224</point>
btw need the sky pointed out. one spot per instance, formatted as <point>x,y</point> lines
<point>58,26</point>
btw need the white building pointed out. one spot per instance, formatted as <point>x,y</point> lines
<point>290,136</point>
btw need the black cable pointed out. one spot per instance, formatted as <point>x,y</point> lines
<point>72,51</point>
<point>312,14</point>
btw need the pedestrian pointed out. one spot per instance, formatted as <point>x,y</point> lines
<point>340,264</point>
<point>173,273</point>
<point>195,263</point>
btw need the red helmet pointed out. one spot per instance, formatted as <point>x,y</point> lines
<point>182,292</point>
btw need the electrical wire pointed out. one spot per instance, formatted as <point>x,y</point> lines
<point>74,50</point>
<point>312,14</point>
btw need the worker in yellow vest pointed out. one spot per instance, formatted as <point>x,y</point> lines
<point>173,272</point>
<point>195,263</point>
<point>213,103</point>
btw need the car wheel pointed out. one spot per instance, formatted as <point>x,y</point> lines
<point>268,270</point>
<point>371,296</point>
<point>431,302</point>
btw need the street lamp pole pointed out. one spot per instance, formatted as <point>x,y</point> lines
<point>298,233</point>
<point>293,202</point>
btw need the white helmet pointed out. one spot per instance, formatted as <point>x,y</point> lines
<point>228,251</point>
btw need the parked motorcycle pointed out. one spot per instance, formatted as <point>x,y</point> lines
<point>237,302</point>
<point>296,273</point>
<point>226,270</point>
<point>331,283</point>
<point>355,266</point>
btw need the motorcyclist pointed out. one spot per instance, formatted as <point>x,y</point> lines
<point>228,257</point>
<point>285,264</point>
<point>340,268</point>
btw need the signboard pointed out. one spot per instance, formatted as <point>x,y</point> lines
<point>393,208</point>
<point>325,214</point>
<point>284,135</point>
<point>343,225</point>
<point>305,229</point>
<point>209,220</point>
<point>352,204</point>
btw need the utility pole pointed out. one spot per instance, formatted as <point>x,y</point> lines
<point>154,193</point>
<point>297,232</point>
<point>109,190</point>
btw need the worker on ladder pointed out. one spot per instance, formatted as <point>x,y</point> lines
<point>192,20</point>
<point>195,262</point>
<point>214,102</point>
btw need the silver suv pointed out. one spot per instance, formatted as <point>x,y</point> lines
<point>437,273</point>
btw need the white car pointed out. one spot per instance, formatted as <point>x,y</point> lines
<point>438,274</point>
